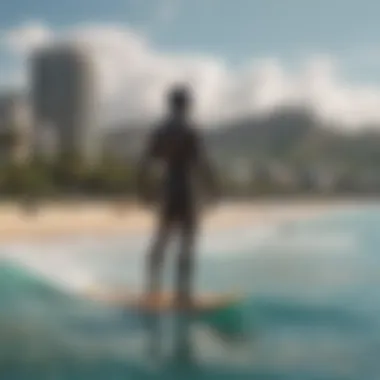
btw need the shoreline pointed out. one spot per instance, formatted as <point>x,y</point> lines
<point>107,219</point>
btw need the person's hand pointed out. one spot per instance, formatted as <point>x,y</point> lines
<point>212,200</point>
<point>146,197</point>
<point>142,199</point>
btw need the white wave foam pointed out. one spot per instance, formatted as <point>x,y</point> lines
<point>229,242</point>
<point>84,263</point>
<point>311,243</point>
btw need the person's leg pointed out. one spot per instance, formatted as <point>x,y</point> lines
<point>185,271</point>
<point>154,328</point>
<point>156,256</point>
<point>182,348</point>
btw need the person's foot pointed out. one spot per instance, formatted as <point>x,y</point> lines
<point>184,302</point>
<point>152,300</point>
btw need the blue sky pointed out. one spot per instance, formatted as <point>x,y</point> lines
<point>234,32</point>
<point>233,29</point>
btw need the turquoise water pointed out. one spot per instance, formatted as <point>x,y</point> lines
<point>310,311</point>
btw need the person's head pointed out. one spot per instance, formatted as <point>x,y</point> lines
<point>179,100</point>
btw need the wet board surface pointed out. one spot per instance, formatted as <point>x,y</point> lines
<point>223,313</point>
<point>166,301</point>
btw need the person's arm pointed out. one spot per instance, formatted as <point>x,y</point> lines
<point>144,166</point>
<point>207,170</point>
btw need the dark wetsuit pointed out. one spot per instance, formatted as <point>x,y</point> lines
<point>177,147</point>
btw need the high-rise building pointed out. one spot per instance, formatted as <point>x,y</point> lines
<point>63,101</point>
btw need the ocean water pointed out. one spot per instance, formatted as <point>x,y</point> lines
<point>311,306</point>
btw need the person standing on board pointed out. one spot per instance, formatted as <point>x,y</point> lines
<point>176,145</point>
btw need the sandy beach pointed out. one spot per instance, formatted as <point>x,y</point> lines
<point>107,218</point>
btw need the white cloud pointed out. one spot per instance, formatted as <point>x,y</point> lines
<point>133,76</point>
<point>23,39</point>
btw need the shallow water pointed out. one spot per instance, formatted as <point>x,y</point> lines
<point>311,306</point>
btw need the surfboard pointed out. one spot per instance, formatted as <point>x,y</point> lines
<point>166,301</point>
<point>222,313</point>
